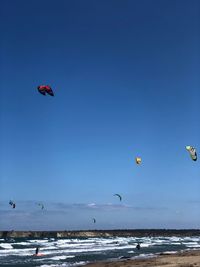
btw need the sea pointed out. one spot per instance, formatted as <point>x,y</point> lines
<point>66,252</point>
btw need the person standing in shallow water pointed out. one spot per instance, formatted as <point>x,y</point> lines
<point>138,246</point>
<point>37,250</point>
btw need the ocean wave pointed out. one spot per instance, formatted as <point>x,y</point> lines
<point>57,258</point>
<point>72,252</point>
<point>65,264</point>
<point>193,246</point>
<point>6,246</point>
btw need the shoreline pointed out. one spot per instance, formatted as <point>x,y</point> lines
<point>189,258</point>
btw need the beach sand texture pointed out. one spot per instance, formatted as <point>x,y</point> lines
<point>184,259</point>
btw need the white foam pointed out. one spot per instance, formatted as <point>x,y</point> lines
<point>169,252</point>
<point>38,241</point>
<point>100,249</point>
<point>6,246</point>
<point>193,246</point>
<point>189,243</point>
<point>65,264</point>
<point>50,247</point>
<point>197,239</point>
<point>79,263</point>
<point>53,265</point>
<point>57,258</point>
<point>144,256</point>
<point>143,245</point>
<point>17,252</point>
<point>79,249</point>
<point>158,241</point>
<point>174,238</point>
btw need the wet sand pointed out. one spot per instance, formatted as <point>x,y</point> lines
<point>181,259</point>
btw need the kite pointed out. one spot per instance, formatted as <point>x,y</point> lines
<point>11,203</point>
<point>192,151</point>
<point>138,160</point>
<point>120,198</point>
<point>43,89</point>
<point>40,205</point>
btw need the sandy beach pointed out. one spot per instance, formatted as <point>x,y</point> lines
<point>181,259</point>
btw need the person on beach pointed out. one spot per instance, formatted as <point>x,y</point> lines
<point>138,246</point>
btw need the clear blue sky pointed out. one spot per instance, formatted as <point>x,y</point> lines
<point>126,80</point>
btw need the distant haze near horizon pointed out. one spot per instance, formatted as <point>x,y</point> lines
<point>28,217</point>
<point>125,75</point>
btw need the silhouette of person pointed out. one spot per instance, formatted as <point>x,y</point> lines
<point>37,250</point>
<point>138,246</point>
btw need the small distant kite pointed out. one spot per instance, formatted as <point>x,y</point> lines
<point>120,198</point>
<point>11,203</point>
<point>192,151</point>
<point>94,220</point>
<point>43,89</point>
<point>40,205</point>
<point>138,160</point>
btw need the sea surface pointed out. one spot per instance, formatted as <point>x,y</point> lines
<point>79,251</point>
